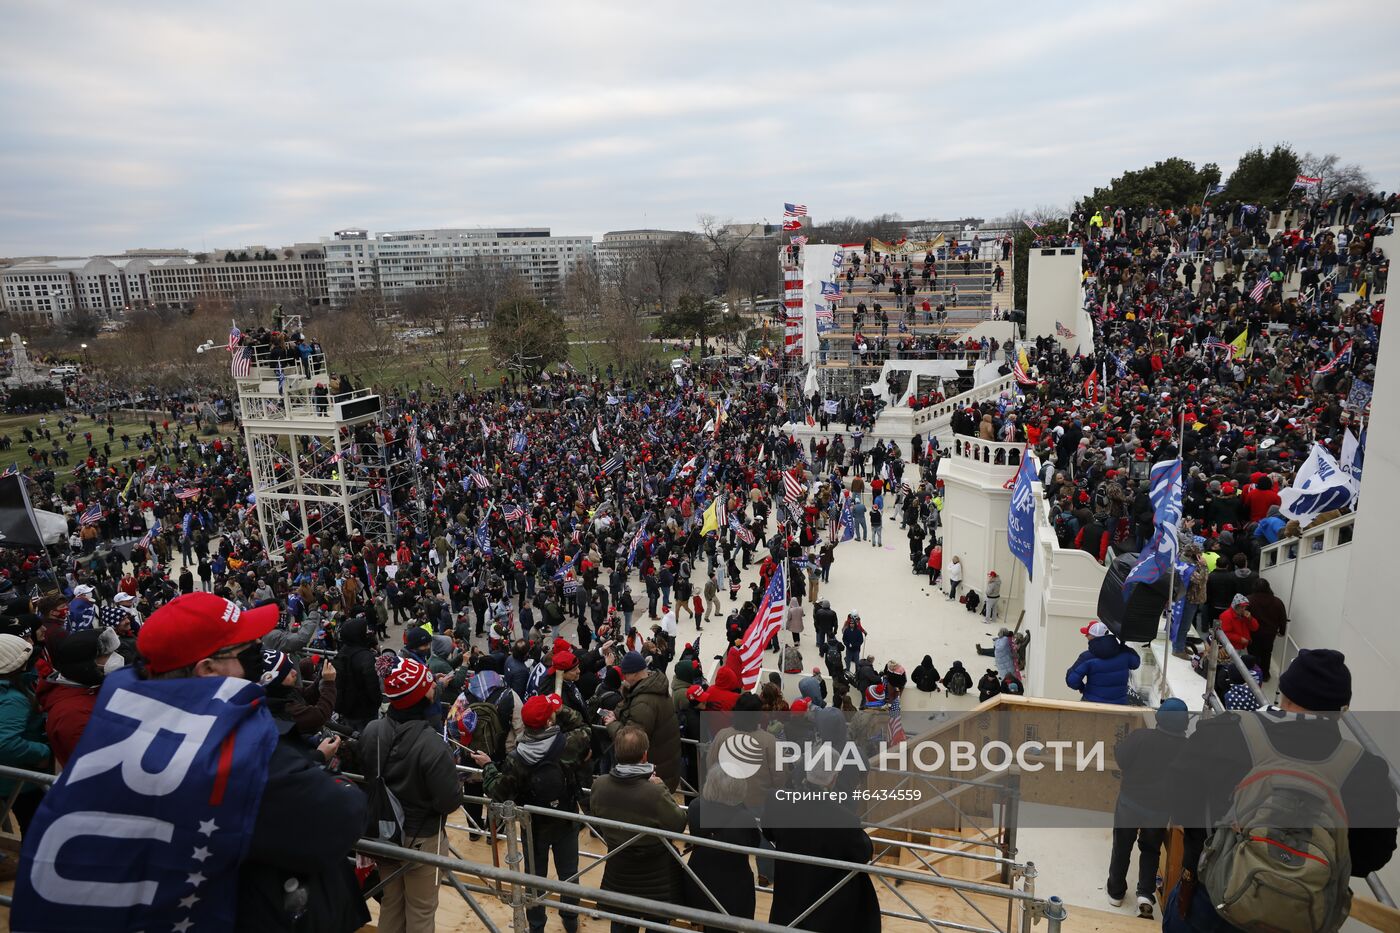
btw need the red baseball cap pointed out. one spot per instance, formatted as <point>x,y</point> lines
<point>192,627</point>
<point>537,710</point>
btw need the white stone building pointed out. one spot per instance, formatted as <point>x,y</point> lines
<point>401,262</point>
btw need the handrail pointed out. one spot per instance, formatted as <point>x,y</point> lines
<point>1030,903</point>
<point>945,408</point>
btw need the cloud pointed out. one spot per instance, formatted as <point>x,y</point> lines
<point>141,124</point>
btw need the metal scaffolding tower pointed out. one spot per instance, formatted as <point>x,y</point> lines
<point>323,463</point>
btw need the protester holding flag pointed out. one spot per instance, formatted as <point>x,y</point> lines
<point>224,857</point>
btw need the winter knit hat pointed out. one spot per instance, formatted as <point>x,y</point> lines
<point>417,638</point>
<point>1318,680</point>
<point>276,664</point>
<point>633,663</point>
<point>407,683</point>
<point>14,651</point>
<point>875,696</point>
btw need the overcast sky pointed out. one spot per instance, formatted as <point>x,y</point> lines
<point>205,125</point>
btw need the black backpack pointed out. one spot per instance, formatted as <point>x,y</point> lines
<point>549,782</point>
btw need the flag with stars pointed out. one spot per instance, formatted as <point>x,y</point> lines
<point>117,846</point>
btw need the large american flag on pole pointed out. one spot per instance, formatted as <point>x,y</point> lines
<point>242,363</point>
<point>764,626</point>
<point>794,210</point>
<point>792,488</point>
<point>1260,288</point>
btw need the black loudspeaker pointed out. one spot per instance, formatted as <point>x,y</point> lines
<point>1138,619</point>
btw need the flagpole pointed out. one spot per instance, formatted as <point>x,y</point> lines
<point>1171,581</point>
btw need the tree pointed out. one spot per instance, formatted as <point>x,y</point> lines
<point>672,265</point>
<point>1173,182</point>
<point>1337,179</point>
<point>693,316</point>
<point>525,337</point>
<point>1263,178</point>
<point>727,241</point>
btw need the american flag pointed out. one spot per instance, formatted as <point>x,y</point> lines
<point>336,457</point>
<point>480,481</point>
<point>242,364</point>
<point>799,240</point>
<point>1021,376</point>
<point>150,534</point>
<point>233,335</point>
<point>794,210</point>
<point>612,465</point>
<point>897,734</point>
<point>1342,358</point>
<point>92,516</point>
<point>792,488</point>
<point>11,470</point>
<point>187,493</point>
<point>513,513</point>
<point>764,626</point>
<point>1260,288</point>
<point>740,532</point>
<point>1063,331</point>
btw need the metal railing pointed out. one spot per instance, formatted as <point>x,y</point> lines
<point>511,824</point>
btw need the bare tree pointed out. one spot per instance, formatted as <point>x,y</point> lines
<point>675,264</point>
<point>727,242</point>
<point>1337,179</point>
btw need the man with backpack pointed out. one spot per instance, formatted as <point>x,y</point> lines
<point>546,769</point>
<point>413,786</point>
<point>1240,774</point>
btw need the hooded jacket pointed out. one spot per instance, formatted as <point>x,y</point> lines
<point>358,698</point>
<point>925,676</point>
<point>957,680</point>
<point>67,707</point>
<point>1101,672</point>
<point>648,705</point>
<point>724,692</point>
<point>813,688</point>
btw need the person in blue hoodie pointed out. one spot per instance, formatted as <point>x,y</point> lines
<point>1101,673</point>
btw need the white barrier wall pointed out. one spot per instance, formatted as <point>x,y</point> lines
<point>1054,295</point>
<point>1061,597</point>
<point>974,513</point>
<point>817,267</point>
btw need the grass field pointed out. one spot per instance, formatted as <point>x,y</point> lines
<point>14,425</point>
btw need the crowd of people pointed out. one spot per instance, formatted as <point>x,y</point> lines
<point>533,630</point>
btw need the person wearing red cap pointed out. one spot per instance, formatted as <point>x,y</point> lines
<point>417,766</point>
<point>547,769</point>
<point>204,635</point>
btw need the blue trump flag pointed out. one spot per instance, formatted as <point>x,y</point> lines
<point>147,825</point>
<point>1159,557</point>
<point>848,521</point>
<point>1020,517</point>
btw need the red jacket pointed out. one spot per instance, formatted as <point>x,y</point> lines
<point>68,709</point>
<point>1238,628</point>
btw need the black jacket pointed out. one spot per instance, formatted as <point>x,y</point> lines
<point>358,693</point>
<point>307,821</point>
<point>830,832</point>
<point>418,768</point>
<point>1144,757</point>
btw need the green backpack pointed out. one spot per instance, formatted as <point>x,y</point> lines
<point>1279,861</point>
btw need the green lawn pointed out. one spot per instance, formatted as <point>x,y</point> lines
<point>14,425</point>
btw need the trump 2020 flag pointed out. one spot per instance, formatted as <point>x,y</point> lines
<point>1159,557</point>
<point>1320,486</point>
<point>1020,518</point>
<point>147,825</point>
